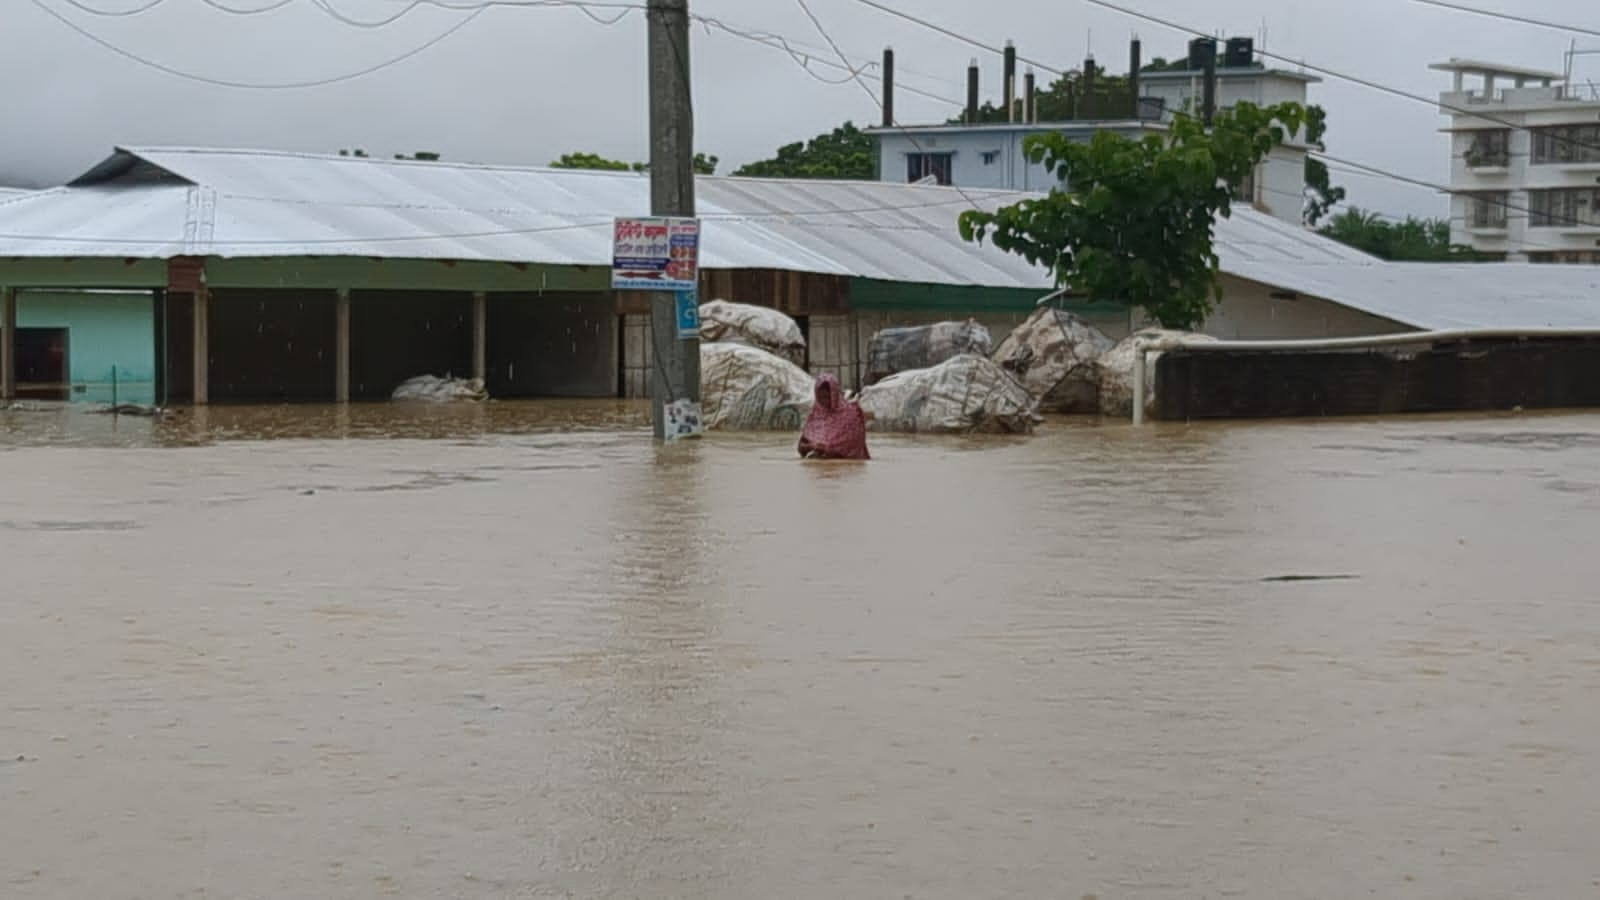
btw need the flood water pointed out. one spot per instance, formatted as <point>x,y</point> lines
<point>518,651</point>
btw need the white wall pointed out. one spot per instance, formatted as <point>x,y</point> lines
<point>1280,180</point>
<point>1008,170</point>
<point>1249,312</point>
<point>1280,184</point>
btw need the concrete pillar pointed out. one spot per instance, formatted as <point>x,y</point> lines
<point>341,347</point>
<point>8,344</point>
<point>202,346</point>
<point>480,335</point>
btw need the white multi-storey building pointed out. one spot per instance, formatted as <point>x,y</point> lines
<point>1525,162</point>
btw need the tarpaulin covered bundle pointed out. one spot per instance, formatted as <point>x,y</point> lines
<point>962,395</point>
<point>754,326</point>
<point>1116,369</point>
<point>1056,356</point>
<point>923,347</point>
<point>433,389</point>
<point>745,388</point>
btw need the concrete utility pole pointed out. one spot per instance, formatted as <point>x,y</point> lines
<point>676,361</point>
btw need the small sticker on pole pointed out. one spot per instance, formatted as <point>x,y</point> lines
<point>688,315</point>
<point>655,254</point>
<point>684,420</point>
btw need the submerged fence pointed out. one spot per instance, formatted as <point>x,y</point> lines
<point>1441,371</point>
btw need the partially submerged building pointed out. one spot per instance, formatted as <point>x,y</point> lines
<point>280,276</point>
<point>265,276</point>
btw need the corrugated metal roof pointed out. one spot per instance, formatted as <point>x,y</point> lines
<point>1443,296</point>
<point>170,202</point>
<point>252,203</point>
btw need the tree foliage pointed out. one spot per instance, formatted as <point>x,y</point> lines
<point>845,152</point>
<point>1410,240</point>
<point>595,161</point>
<point>1322,195</point>
<point>703,164</point>
<point>1133,220</point>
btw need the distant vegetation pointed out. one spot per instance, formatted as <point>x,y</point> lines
<point>845,152</point>
<point>423,155</point>
<point>703,164</point>
<point>1408,240</point>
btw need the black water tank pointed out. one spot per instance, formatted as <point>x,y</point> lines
<point>1241,53</point>
<point>1200,51</point>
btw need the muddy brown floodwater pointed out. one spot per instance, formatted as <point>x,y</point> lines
<point>518,651</point>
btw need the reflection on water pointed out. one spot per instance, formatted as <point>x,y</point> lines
<point>62,424</point>
<point>517,650</point>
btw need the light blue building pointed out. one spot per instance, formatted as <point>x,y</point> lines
<point>86,346</point>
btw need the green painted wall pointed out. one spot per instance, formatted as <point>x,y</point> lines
<point>867,295</point>
<point>104,331</point>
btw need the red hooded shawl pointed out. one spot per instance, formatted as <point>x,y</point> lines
<point>836,428</point>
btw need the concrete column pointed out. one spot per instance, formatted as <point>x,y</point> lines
<point>341,347</point>
<point>8,344</point>
<point>202,346</point>
<point>480,335</point>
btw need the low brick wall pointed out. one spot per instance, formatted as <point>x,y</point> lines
<point>1542,373</point>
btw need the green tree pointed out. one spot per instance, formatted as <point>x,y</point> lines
<point>845,152</point>
<point>1408,240</point>
<point>1132,221</point>
<point>1322,195</point>
<point>703,164</point>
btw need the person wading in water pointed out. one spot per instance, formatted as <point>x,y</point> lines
<point>836,428</point>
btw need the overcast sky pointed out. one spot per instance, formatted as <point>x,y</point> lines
<point>525,85</point>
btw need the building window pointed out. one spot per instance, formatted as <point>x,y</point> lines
<point>924,165</point>
<point>1489,148</point>
<point>1488,209</point>
<point>1568,208</point>
<point>1567,144</point>
<point>990,157</point>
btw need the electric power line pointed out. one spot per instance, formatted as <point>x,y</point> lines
<point>1509,17</point>
<point>776,41</point>
<point>876,99</point>
<point>1353,79</point>
<point>965,39</point>
<point>247,85</point>
<point>1178,27</point>
<point>479,6</point>
<point>586,7</point>
<point>152,4</point>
